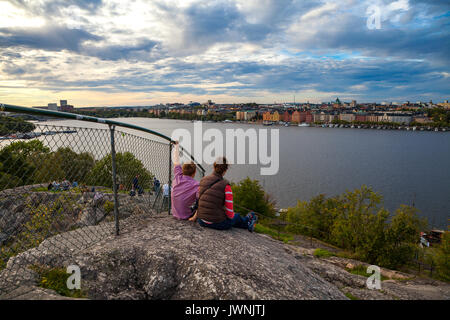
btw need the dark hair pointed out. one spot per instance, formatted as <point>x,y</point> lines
<point>189,169</point>
<point>221,165</point>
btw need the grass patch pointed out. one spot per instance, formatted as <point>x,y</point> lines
<point>56,279</point>
<point>323,253</point>
<point>362,271</point>
<point>350,296</point>
<point>259,228</point>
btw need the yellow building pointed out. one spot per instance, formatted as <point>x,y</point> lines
<point>276,116</point>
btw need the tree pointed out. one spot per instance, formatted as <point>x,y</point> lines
<point>249,194</point>
<point>127,168</point>
<point>401,237</point>
<point>359,223</point>
<point>19,162</point>
<point>441,257</point>
<point>314,218</point>
<point>9,125</point>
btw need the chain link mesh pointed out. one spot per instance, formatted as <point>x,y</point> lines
<point>57,192</point>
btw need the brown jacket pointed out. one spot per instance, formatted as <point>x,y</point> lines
<point>212,201</point>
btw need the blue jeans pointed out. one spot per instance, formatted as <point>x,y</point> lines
<point>237,222</point>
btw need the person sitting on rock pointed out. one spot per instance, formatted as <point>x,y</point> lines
<point>215,205</point>
<point>184,187</point>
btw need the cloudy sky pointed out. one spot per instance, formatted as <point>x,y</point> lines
<point>115,52</point>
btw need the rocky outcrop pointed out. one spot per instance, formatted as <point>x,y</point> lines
<point>158,257</point>
<point>161,258</point>
<point>397,286</point>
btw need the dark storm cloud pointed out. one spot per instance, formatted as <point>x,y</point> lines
<point>54,7</point>
<point>139,51</point>
<point>52,38</point>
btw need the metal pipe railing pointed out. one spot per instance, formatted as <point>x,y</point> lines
<point>74,116</point>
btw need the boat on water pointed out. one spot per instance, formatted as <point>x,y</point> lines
<point>304,124</point>
<point>227,121</point>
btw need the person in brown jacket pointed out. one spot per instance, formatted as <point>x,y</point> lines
<point>215,205</point>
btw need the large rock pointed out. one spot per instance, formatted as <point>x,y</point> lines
<point>161,258</point>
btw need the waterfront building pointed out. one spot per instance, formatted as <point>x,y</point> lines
<point>401,119</point>
<point>276,116</point>
<point>361,117</point>
<point>349,117</point>
<point>287,117</point>
<point>295,117</point>
<point>267,116</point>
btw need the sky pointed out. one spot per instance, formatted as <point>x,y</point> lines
<point>116,52</point>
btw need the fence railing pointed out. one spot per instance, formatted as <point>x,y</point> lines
<point>66,185</point>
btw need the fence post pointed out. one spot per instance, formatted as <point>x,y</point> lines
<point>169,201</point>
<point>113,158</point>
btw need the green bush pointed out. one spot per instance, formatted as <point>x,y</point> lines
<point>10,125</point>
<point>108,207</point>
<point>44,222</point>
<point>128,166</point>
<point>357,222</point>
<point>441,258</point>
<point>249,194</point>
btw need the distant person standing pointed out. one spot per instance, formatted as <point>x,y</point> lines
<point>136,187</point>
<point>165,195</point>
<point>156,184</point>
<point>184,187</point>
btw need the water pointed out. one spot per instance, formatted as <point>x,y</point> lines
<point>405,167</point>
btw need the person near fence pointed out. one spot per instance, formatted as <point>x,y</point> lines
<point>156,184</point>
<point>215,205</point>
<point>184,186</point>
<point>136,186</point>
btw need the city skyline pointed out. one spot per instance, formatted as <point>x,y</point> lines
<point>114,53</point>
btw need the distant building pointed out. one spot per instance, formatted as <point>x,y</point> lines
<point>53,106</point>
<point>276,116</point>
<point>401,119</point>
<point>422,119</point>
<point>267,116</point>
<point>295,117</point>
<point>361,117</point>
<point>349,117</point>
<point>445,105</point>
<point>287,116</point>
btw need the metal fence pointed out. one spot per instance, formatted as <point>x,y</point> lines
<point>66,187</point>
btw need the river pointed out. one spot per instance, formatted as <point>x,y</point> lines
<point>405,167</point>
